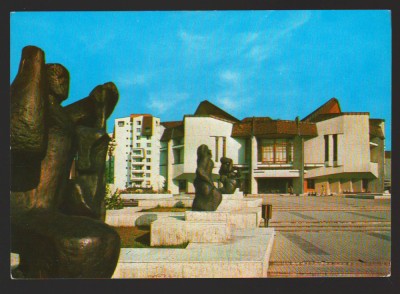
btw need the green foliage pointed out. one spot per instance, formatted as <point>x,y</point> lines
<point>179,204</point>
<point>113,200</point>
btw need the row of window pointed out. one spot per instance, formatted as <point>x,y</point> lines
<point>139,145</point>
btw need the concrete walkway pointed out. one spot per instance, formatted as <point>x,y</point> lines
<point>330,237</point>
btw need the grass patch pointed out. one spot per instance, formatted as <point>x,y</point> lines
<point>139,237</point>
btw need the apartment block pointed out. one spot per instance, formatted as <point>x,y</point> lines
<point>137,152</point>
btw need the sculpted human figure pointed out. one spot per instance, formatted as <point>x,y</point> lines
<point>207,197</point>
<point>55,229</point>
<point>229,176</point>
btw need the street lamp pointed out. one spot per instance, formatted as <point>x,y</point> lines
<point>111,148</point>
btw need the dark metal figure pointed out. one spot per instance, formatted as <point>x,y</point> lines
<point>207,195</point>
<point>229,176</point>
<point>56,223</point>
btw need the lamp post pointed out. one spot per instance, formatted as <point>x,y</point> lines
<point>111,148</point>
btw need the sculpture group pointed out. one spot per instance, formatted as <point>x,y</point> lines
<point>208,197</point>
<point>57,223</point>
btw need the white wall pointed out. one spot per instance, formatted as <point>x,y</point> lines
<point>353,145</point>
<point>121,173</point>
<point>198,131</point>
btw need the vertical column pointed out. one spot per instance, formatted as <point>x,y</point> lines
<point>298,163</point>
<point>170,158</point>
<point>253,165</point>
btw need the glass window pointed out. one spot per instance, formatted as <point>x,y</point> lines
<point>137,137</point>
<point>276,151</point>
<point>121,123</point>
<point>139,123</point>
<point>335,147</point>
<point>148,159</point>
<point>148,152</point>
<point>148,144</point>
<point>326,140</point>
<point>148,167</point>
<point>138,129</point>
<point>137,144</point>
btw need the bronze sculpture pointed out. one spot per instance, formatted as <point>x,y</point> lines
<point>56,222</point>
<point>229,176</point>
<point>207,197</point>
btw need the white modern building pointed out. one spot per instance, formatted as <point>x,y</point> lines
<point>137,152</point>
<point>329,151</point>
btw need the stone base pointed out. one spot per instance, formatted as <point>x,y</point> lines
<point>175,231</point>
<point>246,255</point>
<point>242,219</point>
<point>228,204</point>
<point>131,216</point>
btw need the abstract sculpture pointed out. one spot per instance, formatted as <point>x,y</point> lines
<point>207,197</point>
<point>56,222</point>
<point>229,176</point>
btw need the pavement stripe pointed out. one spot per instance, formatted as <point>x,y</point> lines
<point>303,216</point>
<point>305,245</point>
<point>380,236</point>
<point>366,215</point>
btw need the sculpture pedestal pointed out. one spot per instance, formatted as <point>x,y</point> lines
<point>246,255</point>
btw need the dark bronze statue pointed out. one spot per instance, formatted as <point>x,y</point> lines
<point>207,197</point>
<point>56,222</point>
<point>229,176</point>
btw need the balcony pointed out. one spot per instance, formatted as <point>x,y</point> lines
<point>138,171</point>
<point>137,153</point>
<point>137,177</point>
<point>137,163</point>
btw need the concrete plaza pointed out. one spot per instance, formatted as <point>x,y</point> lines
<point>330,236</point>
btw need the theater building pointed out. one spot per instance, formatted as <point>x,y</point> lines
<point>328,151</point>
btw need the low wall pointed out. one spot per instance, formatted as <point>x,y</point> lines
<point>146,196</point>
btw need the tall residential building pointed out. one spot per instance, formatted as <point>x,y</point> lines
<point>137,152</point>
<point>329,151</point>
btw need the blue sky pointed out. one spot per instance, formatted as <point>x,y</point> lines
<point>280,64</point>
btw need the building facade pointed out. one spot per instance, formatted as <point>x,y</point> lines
<point>137,152</point>
<point>329,151</point>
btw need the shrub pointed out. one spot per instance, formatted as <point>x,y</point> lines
<point>113,200</point>
<point>179,204</point>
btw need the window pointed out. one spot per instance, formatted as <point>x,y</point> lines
<point>148,144</point>
<point>148,137</point>
<point>224,146</point>
<point>138,130</point>
<point>148,152</point>
<point>139,123</point>
<point>148,183</point>
<point>326,139</point>
<point>148,167</point>
<point>137,144</point>
<point>148,159</point>
<point>137,137</point>
<point>335,147</point>
<point>148,175</point>
<point>121,123</point>
<point>276,151</point>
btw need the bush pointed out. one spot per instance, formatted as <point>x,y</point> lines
<point>179,204</point>
<point>113,200</point>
